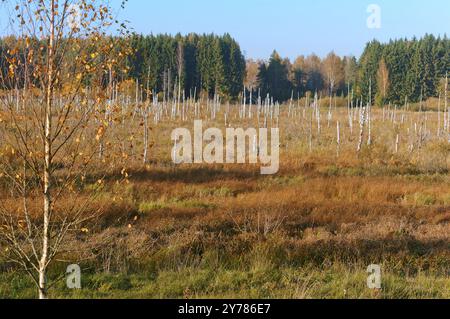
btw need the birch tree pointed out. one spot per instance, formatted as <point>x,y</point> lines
<point>383,83</point>
<point>49,141</point>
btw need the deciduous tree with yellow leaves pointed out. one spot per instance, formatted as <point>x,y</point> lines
<point>51,120</point>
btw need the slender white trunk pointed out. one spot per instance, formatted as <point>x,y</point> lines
<point>47,161</point>
<point>338,138</point>
<point>362,122</point>
<point>439,117</point>
<point>446,100</point>
<point>397,143</point>
<point>369,116</point>
<point>146,129</point>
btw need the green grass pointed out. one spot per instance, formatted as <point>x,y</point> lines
<point>337,281</point>
<point>265,270</point>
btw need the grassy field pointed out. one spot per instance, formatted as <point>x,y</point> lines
<point>310,231</point>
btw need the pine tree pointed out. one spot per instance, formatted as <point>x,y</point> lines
<point>274,78</point>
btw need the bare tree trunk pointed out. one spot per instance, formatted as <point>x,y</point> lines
<point>446,100</point>
<point>331,103</point>
<point>47,161</point>
<point>310,131</point>
<point>397,143</point>
<point>369,116</point>
<point>362,123</point>
<point>146,129</point>
<point>439,117</point>
<point>338,137</point>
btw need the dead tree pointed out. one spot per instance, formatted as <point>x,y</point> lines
<point>362,122</point>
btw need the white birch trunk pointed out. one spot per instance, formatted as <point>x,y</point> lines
<point>47,161</point>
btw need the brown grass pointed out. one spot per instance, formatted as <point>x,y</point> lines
<point>320,209</point>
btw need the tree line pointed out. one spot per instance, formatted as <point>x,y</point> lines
<point>190,65</point>
<point>405,69</point>
<point>283,80</point>
<point>193,63</point>
<point>402,69</point>
<point>164,64</point>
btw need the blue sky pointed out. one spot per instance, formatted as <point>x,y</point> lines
<point>292,27</point>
